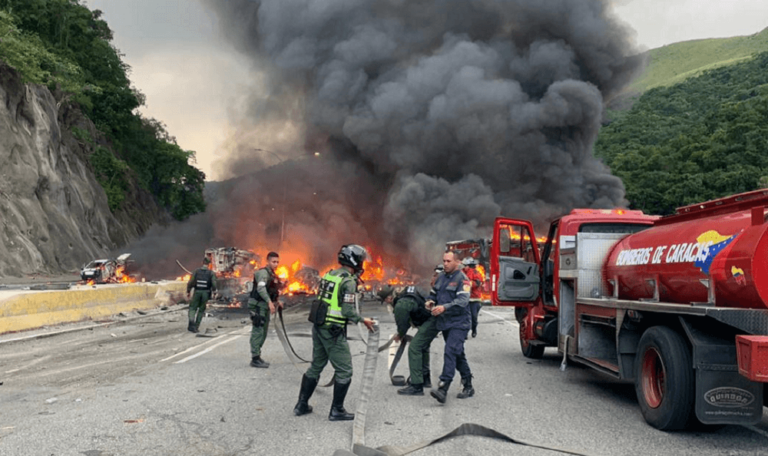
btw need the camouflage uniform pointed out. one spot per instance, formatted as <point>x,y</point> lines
<point>204,282</point>
<point>329,341</point>
<point>266,286</point>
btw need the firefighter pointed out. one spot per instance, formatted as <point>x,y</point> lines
<point>410,309</point>
<point>475,296</point>
<point>438,270</point>
<point>203,280</point>
<point>449,302</point>
<point>261,304</point>
<point>338,290</point>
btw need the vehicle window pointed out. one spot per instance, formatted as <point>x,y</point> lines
<point>613,228</point>
<point>515,241</point>
<point>527,246</point>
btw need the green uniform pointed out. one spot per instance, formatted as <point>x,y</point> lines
<point>266,286</point>
<point>409,311</point>
<point>329,341</point>
<point>204,282</point>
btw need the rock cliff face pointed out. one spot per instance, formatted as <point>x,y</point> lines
<point>53,213</point>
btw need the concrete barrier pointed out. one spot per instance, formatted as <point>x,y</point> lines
<point>22,310</point>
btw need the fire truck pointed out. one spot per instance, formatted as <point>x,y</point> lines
<point>676,304</point>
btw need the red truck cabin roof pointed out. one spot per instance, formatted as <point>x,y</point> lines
<point>570,224</point>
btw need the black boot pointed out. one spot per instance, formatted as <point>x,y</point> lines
<point>191,326</point>
<point>441,392</point>
<point>467,389</point>
<point>427,380</point>
<point>474,333</point>
<point>196,328</point>
<point>412,390</point>
<point>256,361</point>
<point>337,407</point>
<point>307,388</point>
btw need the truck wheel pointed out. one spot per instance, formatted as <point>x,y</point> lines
<point>664,380</point>
<point>529,350</point>
<point>520,313</point>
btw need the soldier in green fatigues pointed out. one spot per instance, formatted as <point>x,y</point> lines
<point>203,280</point>
<point>409,309</point>
<point>329,340</point>
<point>261,304</point>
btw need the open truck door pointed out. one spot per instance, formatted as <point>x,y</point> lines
<point>515,260</point>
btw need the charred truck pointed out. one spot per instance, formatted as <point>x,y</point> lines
<point>233,268</point>
<point>678,304</point>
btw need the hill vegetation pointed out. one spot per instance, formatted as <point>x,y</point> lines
<point>674,63</point>
<point>67,47</point>
<point>703,138</point>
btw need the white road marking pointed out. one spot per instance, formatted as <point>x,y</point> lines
<point>500,317</point>
<point>30,364</point>
<point>236,332</point>
<point>206,350</point>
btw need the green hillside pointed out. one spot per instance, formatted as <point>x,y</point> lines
<point>68,48</point>
<point>703,138</point>
<point>677,62</point>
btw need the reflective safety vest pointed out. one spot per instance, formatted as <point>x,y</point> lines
<point>329,293</point>
<point>203,279</point>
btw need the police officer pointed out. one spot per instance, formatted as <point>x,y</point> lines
<point>262,303</point>
<point>449,302</point>
<point>475,295</point>
<point>203,280</point>
<point>409,309</point>
<point>329,340</point>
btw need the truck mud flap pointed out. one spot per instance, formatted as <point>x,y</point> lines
<point>723,396</point>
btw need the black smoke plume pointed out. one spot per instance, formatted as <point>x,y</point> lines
<point>431,118</point>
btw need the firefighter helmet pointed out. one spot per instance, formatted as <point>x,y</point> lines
<point>385,291</point>
<point>353,255</point>
<point>439,268</point>
<point>469,261</point>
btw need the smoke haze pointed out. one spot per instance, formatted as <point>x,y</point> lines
<point>431,118</point>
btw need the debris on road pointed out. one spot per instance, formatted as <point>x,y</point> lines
<point>51,400</point>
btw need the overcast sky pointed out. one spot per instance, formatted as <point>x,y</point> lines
<point>192,78</point>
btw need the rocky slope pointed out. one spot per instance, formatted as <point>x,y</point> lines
<point>53,213</point>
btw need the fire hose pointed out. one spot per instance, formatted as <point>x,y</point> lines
<point>368,378</point>
<point>293,356</point>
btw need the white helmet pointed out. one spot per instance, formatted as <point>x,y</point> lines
<point>469,261</point>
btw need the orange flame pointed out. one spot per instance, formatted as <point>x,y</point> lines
<point>122,277</point>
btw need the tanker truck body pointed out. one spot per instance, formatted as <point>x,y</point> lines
<point>678,305</point>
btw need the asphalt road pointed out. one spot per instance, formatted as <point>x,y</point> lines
<point>148,387</point>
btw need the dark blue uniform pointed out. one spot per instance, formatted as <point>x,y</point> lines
<point>452,292</point>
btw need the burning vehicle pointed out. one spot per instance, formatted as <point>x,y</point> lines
<point>231,262</point>
<point>109,270</point>
<point>233,268</point>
